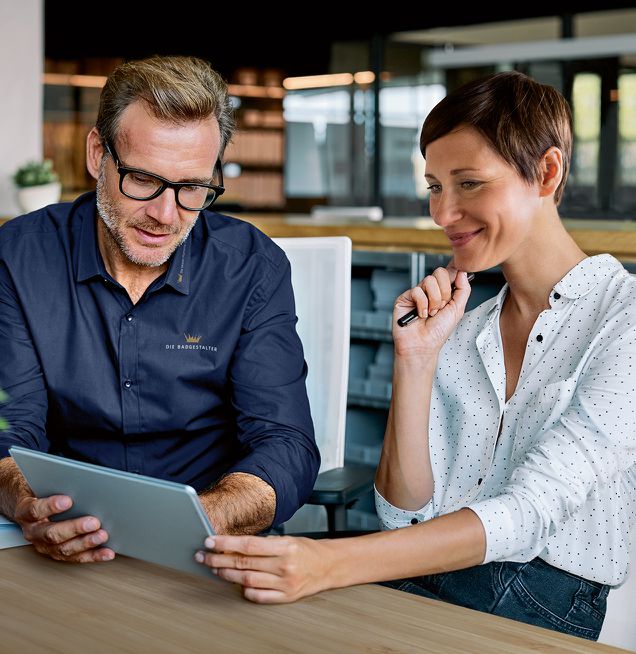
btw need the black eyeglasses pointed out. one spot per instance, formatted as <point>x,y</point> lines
<point>142,185</point>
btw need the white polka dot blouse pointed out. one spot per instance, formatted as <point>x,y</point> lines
<point>560,480</point>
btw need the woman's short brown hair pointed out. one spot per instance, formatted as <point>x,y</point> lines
<point>174,89</point>
<point>518,116</point>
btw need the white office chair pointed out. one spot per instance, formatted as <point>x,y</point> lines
<point>321,278</point>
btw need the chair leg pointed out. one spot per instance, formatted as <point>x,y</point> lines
<point>336,518</point>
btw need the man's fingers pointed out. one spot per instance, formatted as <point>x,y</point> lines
<point>33,509</point>
<point>56,533</point>
<point>97,555</point>
<point>74,546</point>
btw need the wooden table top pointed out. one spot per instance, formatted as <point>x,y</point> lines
<point>131,606</point>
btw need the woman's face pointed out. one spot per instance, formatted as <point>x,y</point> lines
<point>486,209</point>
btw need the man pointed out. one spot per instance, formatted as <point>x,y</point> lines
<point>141,332</point>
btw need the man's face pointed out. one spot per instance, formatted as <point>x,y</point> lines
<point>147,232</point>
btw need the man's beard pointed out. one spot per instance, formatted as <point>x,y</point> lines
<point>116,224</point>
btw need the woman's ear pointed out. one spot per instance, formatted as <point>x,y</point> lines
<point>94,152</point>
<point>550,171</point>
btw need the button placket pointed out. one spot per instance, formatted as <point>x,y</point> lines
<point>128,361</point>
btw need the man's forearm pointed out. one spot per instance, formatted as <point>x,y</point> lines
<point>12,486</point>
<point>240,503</point>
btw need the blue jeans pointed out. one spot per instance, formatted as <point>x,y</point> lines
<point>533,592</point>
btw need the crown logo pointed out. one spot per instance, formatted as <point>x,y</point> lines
<point>192,339</point>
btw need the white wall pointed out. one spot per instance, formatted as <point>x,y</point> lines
<point>21,67</point>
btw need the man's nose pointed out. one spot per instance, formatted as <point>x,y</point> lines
<point>164,208</point>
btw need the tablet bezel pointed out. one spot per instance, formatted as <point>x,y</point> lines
<point>147,518</point>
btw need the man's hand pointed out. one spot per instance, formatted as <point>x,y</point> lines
<point>78,540</point>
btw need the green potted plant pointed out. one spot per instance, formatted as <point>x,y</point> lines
<point>37,184</point>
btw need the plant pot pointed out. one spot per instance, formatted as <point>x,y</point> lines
<point>31,198</point>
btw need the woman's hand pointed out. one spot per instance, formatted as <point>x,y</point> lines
<point>271,569</point>
<point>439,309</point>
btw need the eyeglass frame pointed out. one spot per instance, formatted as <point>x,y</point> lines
<point>165,183</point>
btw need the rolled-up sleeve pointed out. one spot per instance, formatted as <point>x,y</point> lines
<point>590,447</point>
<point>21,376</point>
<point>269,396</point>
<point>392,517</point>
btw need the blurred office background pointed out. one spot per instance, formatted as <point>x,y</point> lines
<point>329,110</point>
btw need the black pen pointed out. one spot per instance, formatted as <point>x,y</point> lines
<point>412,314</point>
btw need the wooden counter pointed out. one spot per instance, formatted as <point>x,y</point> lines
<point>422,235</point>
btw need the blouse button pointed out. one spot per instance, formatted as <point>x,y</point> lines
<point>539,338</point>
<point>414,521</point>
<point>557,296</point>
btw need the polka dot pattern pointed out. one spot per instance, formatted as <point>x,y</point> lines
<point>551,472</point>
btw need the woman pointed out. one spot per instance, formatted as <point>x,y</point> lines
<point>511,440</point>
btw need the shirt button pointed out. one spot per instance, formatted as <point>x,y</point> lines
<point>557,296</point>
<point>539,338</point>
<point>128,383</point>
<point>129,318</point>
<point>414,521</point>
<point>479,481</point>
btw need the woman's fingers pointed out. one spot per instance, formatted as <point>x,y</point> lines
<point>271,569</point>
<point>252,545</point>
<point>265,595</point>
<point>252,579</point>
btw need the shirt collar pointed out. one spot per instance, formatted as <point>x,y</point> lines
<point>586,275</point>
<point>178,275</point>
<point>576,283</point>
<point>88,259</point>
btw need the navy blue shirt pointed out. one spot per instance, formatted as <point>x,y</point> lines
<point>205,375</point>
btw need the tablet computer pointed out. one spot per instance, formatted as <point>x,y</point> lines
<point>146,518</point>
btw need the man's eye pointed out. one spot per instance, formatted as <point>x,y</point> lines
<point>142,180</point>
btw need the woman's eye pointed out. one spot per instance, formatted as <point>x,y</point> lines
<point>435,188</point>
<point>469,184</point>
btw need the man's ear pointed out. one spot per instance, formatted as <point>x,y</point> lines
<point>94,152</point>
<point>551,171</point>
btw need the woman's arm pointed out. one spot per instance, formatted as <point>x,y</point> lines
<point>404,477</point>
<point>280,569</point>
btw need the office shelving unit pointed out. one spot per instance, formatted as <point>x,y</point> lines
<point>377,279</point>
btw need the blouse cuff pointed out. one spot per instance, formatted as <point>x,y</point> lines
<point>392,517</point>
<point>495,516</point>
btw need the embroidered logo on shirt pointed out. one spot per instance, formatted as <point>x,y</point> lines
<point>192,342</point>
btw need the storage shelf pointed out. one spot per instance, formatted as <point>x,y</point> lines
<point>366,401</point>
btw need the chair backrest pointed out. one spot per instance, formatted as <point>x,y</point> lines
<point>321,278</point>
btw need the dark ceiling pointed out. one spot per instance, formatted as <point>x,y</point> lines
<point>296,40</point>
